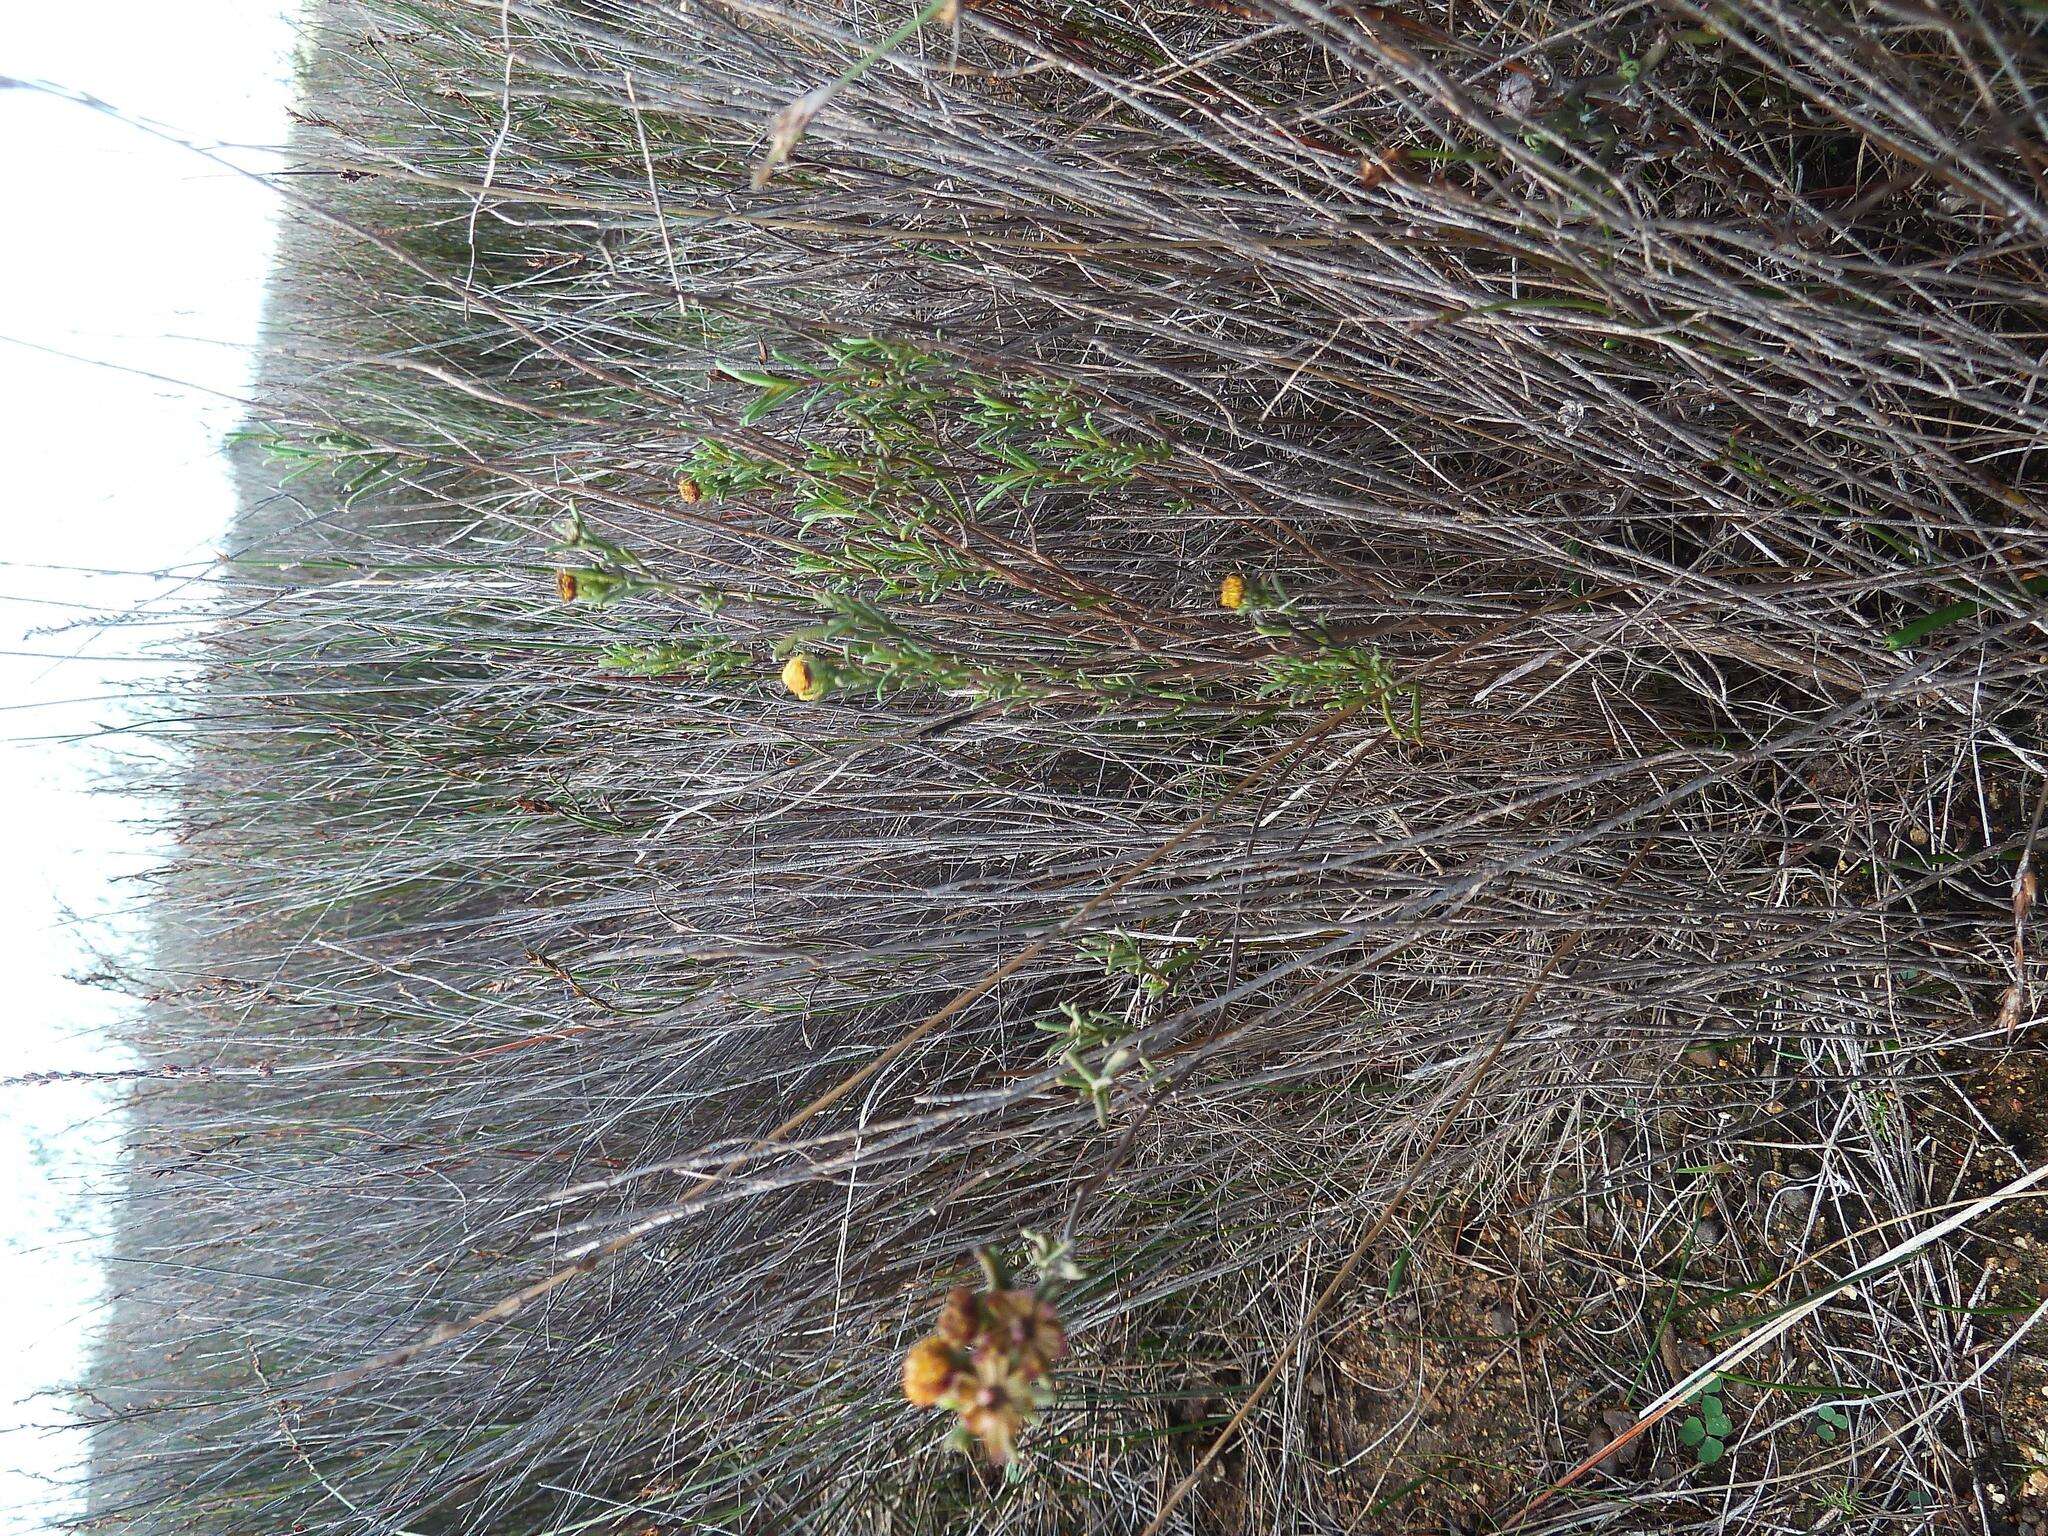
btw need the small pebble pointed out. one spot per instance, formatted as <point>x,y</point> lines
<point>1707,1232</point>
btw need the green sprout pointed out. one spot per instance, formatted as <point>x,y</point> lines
<point>1087,1041</point>
<point>1706,1432</point>
<point>616,573</point>
<point>1119,955</point>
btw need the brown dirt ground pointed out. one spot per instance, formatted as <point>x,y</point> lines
<point>1498,1361</point>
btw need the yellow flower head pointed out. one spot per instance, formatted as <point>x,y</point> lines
<point>565,583</point>
<point>1231,593</point>
<point>689,490</point>
<point>801,676</point>
<point>931,1372</point>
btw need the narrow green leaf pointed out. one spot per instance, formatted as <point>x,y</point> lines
<point>1941,618</point>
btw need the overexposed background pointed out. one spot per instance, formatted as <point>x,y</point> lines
<point>126,251</point>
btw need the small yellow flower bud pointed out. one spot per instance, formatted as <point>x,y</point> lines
<point>800,677</point>
<point>928,1371</point>
<point>565,583</point>
<point>689,490</point>
<point>1231,594</point>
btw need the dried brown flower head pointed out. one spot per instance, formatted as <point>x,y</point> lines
<point>961,1319</point>
<point>988,1361</point>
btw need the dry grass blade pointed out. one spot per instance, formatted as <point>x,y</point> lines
<point>1208,628</point>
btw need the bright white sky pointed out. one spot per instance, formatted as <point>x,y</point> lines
<point>122,249</point>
